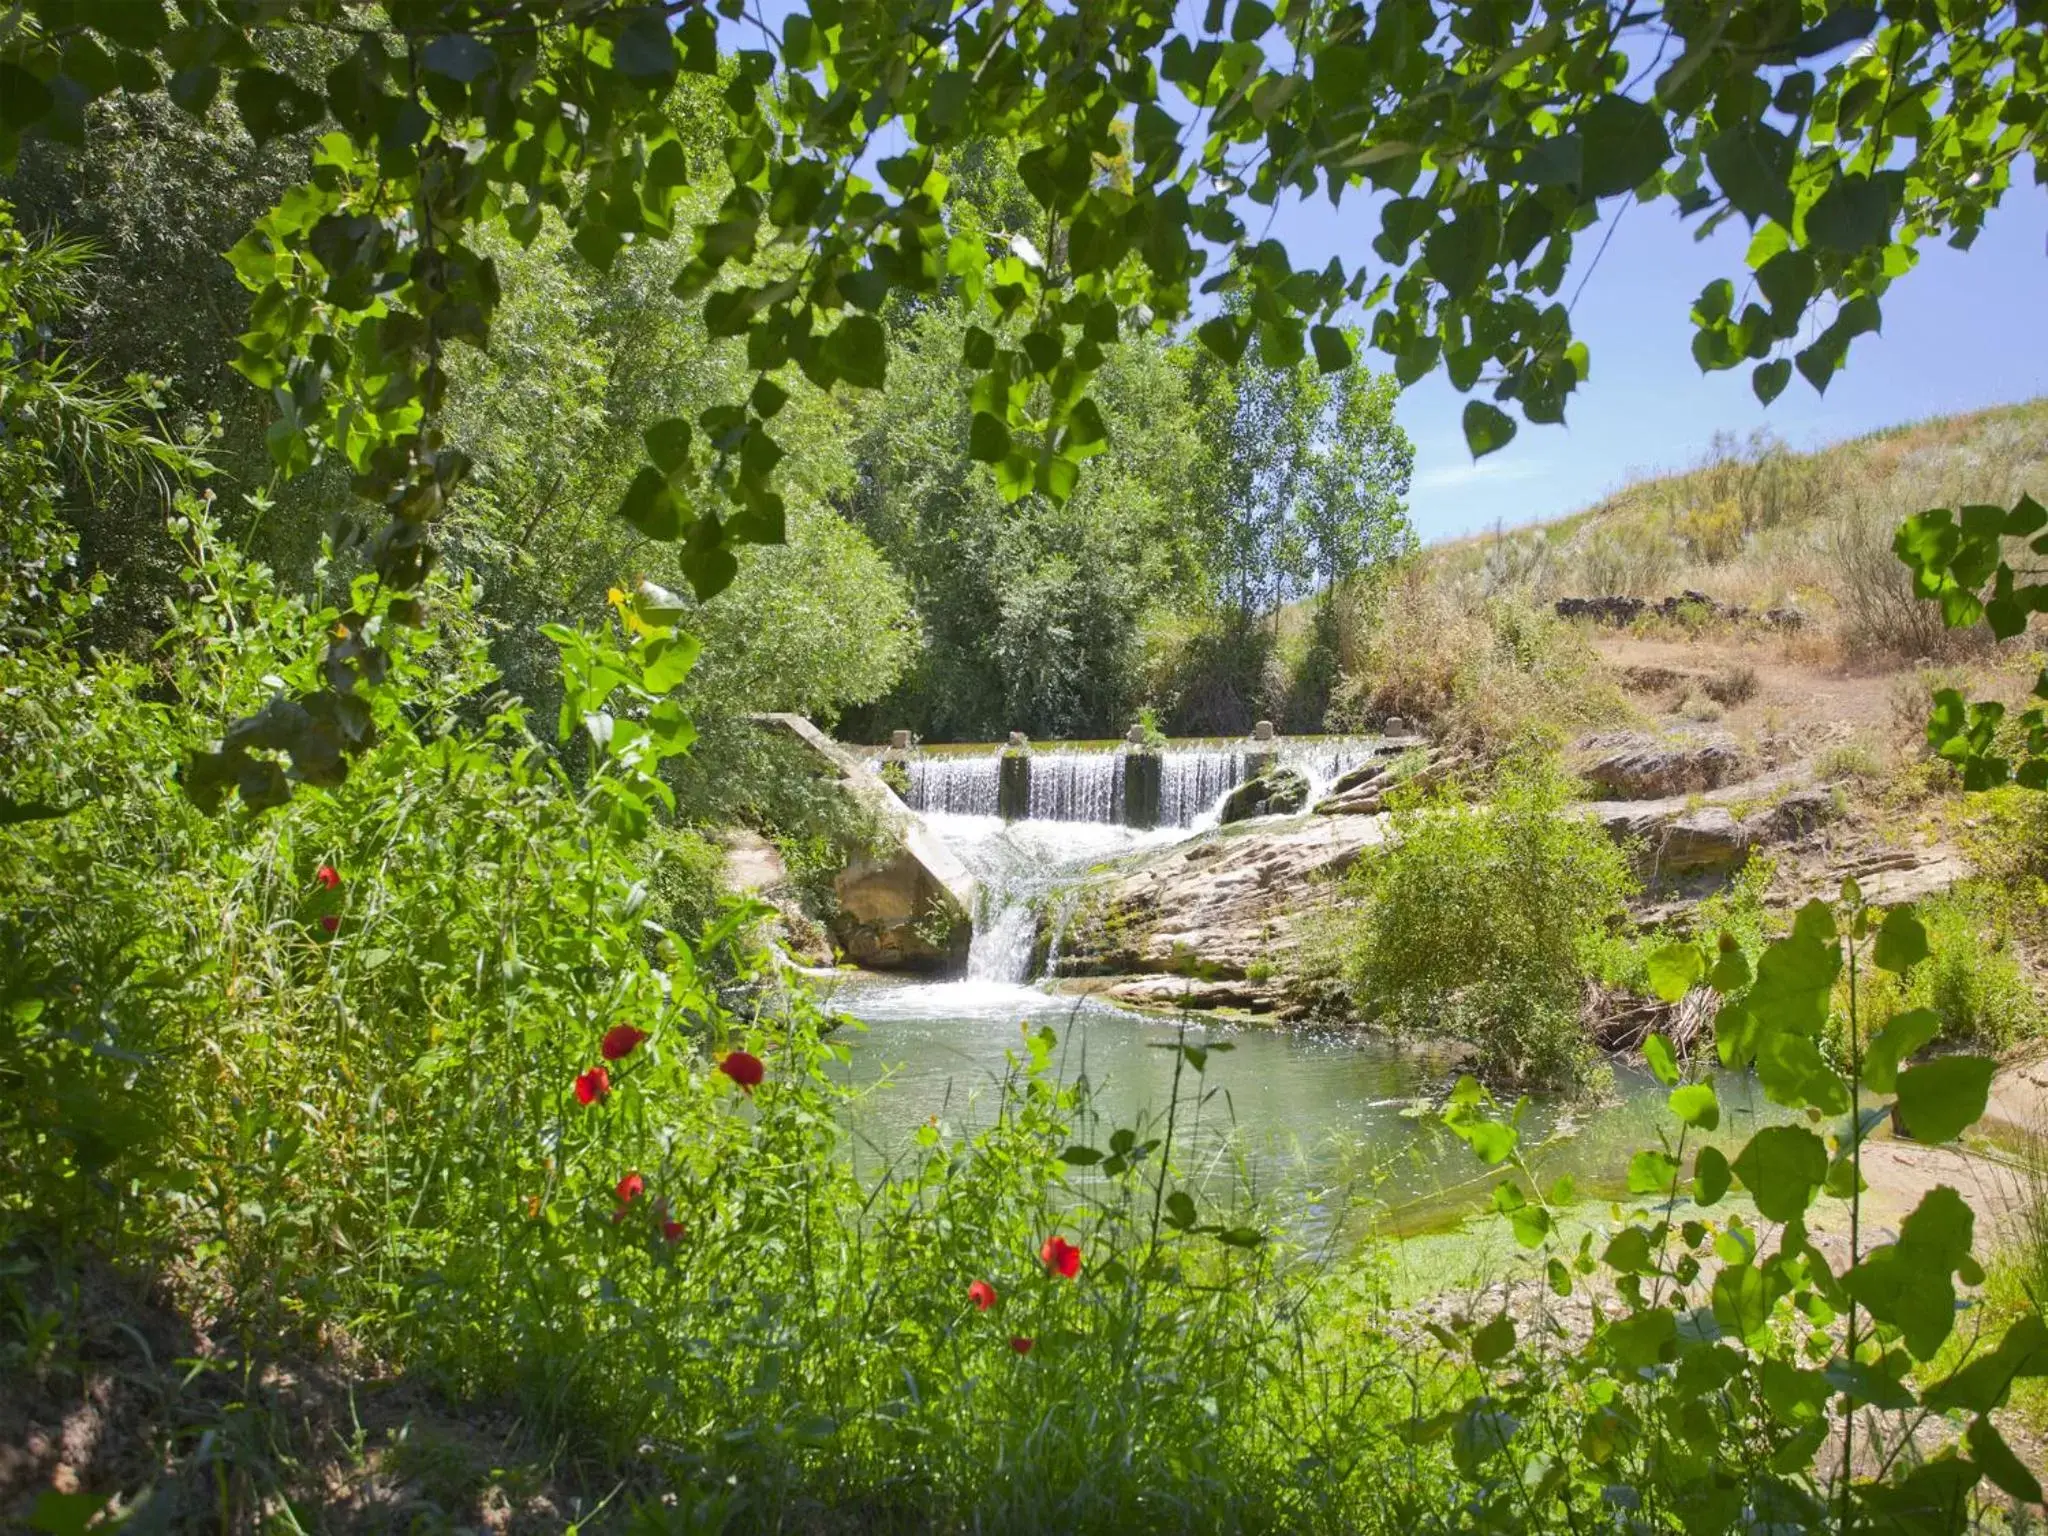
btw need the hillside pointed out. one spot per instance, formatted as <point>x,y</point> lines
<point>1762,526</point>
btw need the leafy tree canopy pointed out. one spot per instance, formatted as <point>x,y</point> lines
<point>1489,136</point>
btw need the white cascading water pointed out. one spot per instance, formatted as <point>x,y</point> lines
<point>1069,785</point>
<point>1033,865</point>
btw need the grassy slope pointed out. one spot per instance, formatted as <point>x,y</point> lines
<point>1758,523</point>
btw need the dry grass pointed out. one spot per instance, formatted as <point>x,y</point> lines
<point>1761,526</point>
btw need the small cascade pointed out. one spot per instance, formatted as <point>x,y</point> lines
<point>1077,786</point>
<point>1059,784</point>
<point>955,785</point>
<point>1192,781</point>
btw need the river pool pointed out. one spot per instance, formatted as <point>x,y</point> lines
<point>1319,1126</point>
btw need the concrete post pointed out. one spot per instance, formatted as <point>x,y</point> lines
<point>900,740</point>
<point>1141,789</point>
<point>1263,731</point>
<point>1013,781</point>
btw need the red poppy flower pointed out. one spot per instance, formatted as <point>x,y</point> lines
<point>328,876</point>
<point>671,1230</point>
<point>982,1294</point>
<point>630,1188</point>
<point>330,923</point>
<point>1021,1345</point>
<point>744,1068</point>
<point>592,1085</point>
<point>1060,1257</point>
<point>620,1041</point>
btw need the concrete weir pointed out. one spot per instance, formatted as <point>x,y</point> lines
<point>908,905</point>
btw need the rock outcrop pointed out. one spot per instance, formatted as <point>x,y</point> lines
<point>1636,766</point>
<point>1282,792</point>
<point>1213,909</point>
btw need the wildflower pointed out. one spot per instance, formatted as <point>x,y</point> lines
<point>592,1085</point>
<point>982,1294</point>
<point>671,1230</point>
<point>330,924</point>
<point>1060,1257</point>
<point>630,1188</point>
<point>1021,1345</point>
<point>744,1068</point>
<point>620,1041</point>
<point>328,876</point>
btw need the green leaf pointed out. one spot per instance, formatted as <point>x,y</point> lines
<point>1180,1209</point>
<point>1696,1105</point>
<point>650,507</point>
<point>1768,381</point>
<point>24,99</point>
<point>1225,338</point>
<point>1494,1341</point>
<point>978,348</point>
<point>645,49</point>
<point>1625,145</point>
<point>1251,21</point>
<point>1901,942</point>
<point>1853,215</point>
<point>1710,1176</point>
<point>1742,1299</point>
<point>1781,1167</point>
<point>1491,1140</point>
<point>1532,1225</point>
<point>1989,1450</point>
<point>988,440</point>
<point>1628,1252</point>
<point>668,444</point>
<point>1662,1059</point>
<point>1675,970</point>
<point>1332,348</point>
<point>1651,1172</point>
<point>1487,428</point>
<point>1939,1100</point>
<point>458,56</point>
<point>1908,1284</point>
<point>1642,1340</point>
<point>671,662</point>
<point>1752,162</point>
<point>1080,1157</point>
<point>1895,1044</point>
<point>1985,1382</point>
<point>858,351</point>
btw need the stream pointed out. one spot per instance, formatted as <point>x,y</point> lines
<point>1308,1122</point>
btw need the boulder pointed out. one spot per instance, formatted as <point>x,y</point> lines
<point>1279,793</point>
<point>1635,766</point>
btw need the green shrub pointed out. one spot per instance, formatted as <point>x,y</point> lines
<point>1485,921</point>
<point>1972,978</point>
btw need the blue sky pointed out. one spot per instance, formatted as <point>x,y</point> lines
<point>1962,330</point>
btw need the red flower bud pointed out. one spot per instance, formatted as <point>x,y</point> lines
<point>671,1230</point>
<point>328,876</point>
<point>592,1085</point>
<point>982,1294</point>
<point>620,1041</point>
<point>630,1188</point>
<point>1021,1345</point>
<point>330,924</point>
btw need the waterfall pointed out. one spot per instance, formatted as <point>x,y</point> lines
<point>1087,785</point>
